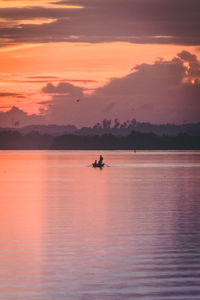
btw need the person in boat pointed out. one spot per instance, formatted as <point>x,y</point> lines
<point>100,162</point>
<point>95,163</point>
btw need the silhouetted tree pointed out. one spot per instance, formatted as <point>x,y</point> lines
<point>16,124</point>
<point>97,126</point>
<point>123,125</point>
<point>116,123</point>
<point>133,122</point>
<point>106,124</point>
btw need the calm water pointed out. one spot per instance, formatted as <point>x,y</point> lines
<point>129,231</point>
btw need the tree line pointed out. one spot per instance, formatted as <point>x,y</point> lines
<point>115,127</point>
<point>135,140</point>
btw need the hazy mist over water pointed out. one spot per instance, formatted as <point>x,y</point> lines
<point>129,231</point>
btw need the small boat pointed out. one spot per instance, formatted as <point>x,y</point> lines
<point>95,165</point>
<point>98,164</point>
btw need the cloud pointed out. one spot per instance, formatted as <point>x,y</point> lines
<point>165,91</point>
<point>138,21</point>
<point>43,77</point>
<point>53,79</point>
<point>44,102</point>
<point>8,94</point>
<point>162,92</point>
<point>56,78</point>
<point>194,65</point>
<point>7,119</point>
<point>63,88</point>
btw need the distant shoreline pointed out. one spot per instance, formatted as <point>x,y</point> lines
<point>14,140</point>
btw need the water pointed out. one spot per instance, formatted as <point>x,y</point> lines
<point>129,231</point>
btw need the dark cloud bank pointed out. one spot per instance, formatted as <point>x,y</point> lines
<point>162,92</point>
<point>138,21</point>
<point>166,91</point>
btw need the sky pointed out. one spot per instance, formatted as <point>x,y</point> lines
<point>120,59</point>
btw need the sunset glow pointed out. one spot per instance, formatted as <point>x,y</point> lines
<point>31,3</point>
<point>46,42</point>
<point>99,149</point>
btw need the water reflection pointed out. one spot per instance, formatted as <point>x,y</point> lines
<point>73,232</point>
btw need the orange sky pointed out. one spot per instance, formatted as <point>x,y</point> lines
<point>41,42</point>
<point>68,61</point>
